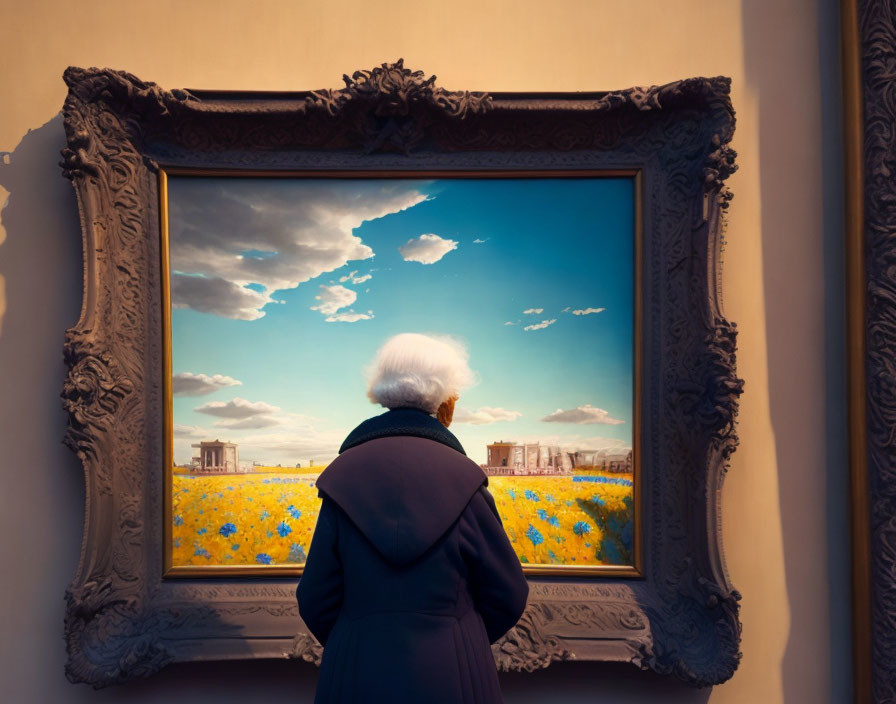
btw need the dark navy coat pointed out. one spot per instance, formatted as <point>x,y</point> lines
<point>410,575</point>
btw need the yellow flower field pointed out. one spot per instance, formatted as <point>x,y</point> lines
<point>268,519</point>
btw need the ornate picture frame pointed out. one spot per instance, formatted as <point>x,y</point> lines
<point>125,620</point>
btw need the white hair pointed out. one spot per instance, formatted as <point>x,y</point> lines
<point>418,371</point>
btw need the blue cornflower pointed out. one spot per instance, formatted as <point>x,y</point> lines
<point>293,511</point>
<point>533,535</point>
<point>202,552</point>
<point>581,527</point>
<point>512,494</point>
<point>178,520</point>
<point>202,531</point>
<point>531,495</point>
<point>553,521</point>
<point>263,558</point>
<point>542,514</point>
<point>283,529</point>
<point>264,514</point>
<point>227,529</point>
<point>235,546</point>
<point>296,553</point>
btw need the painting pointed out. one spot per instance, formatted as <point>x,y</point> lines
<point>282,289</point>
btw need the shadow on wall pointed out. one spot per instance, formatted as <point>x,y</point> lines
<point>817,656</point>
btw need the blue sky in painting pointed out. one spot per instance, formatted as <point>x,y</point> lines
<point>283,289</point>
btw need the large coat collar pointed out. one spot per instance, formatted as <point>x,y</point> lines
<point>399,488</point>
<point>402,421</point>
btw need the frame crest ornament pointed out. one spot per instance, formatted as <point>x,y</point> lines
<point>124,620</point>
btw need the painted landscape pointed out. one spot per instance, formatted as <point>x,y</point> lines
<point>283,289</point>
<point>268,519</point>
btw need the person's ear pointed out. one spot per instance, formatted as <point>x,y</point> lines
<point>446,411</point>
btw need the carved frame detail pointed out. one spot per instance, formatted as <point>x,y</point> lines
<point>124,620</point>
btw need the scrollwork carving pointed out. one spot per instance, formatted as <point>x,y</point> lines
<point>390,106</point>
<point>305,647</point>
<point>526,648</point>
<point>877,29</point>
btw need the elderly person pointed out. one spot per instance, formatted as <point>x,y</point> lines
<point>410,575</point>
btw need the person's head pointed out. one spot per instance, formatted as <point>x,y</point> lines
<point>419,371</point>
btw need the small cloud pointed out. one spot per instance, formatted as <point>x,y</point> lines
<point>565,310</point>
<point>348,316</point>
<point>252,423</point>
<point>479,241</point>
<point>332,298</point>
<point>533,311</point>
<point>583,415</point>
<point>542,325</point>
<point>352,277</point>
<point>588,311</point>
<point>189,384</point>
<point>236,408</point>
<point>485,415</point>
<point>510,322</point>
<point>426,249</point>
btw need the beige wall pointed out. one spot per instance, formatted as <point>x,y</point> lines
<point>784,505</point>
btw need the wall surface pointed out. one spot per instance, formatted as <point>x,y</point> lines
<point>784,503</point>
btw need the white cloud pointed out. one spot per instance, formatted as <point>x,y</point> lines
<point>582,415</point>
<point>510,322</point>
<point>272,234</point>
<point>565,310</point>
<point>348,316</point>
<point>485,415</point>
<point>479,241</point>
<point>236,408</point>
<point>189,431</point>
<point>292,445</point>
<point>189,384</point>
<point>588,311</point>
<point>352,277</point>
<point>332,298</point>
<point>426,249</point>
<point>212,294</point>
<point>542,325</point>
<point>251,423</point>
<point>576,442</point>
<point>533,311</point>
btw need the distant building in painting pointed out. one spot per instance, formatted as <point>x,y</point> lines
<point>507,458</point>
<point>531,458</point>
<point>605,460</point>
<point>216,457</point>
